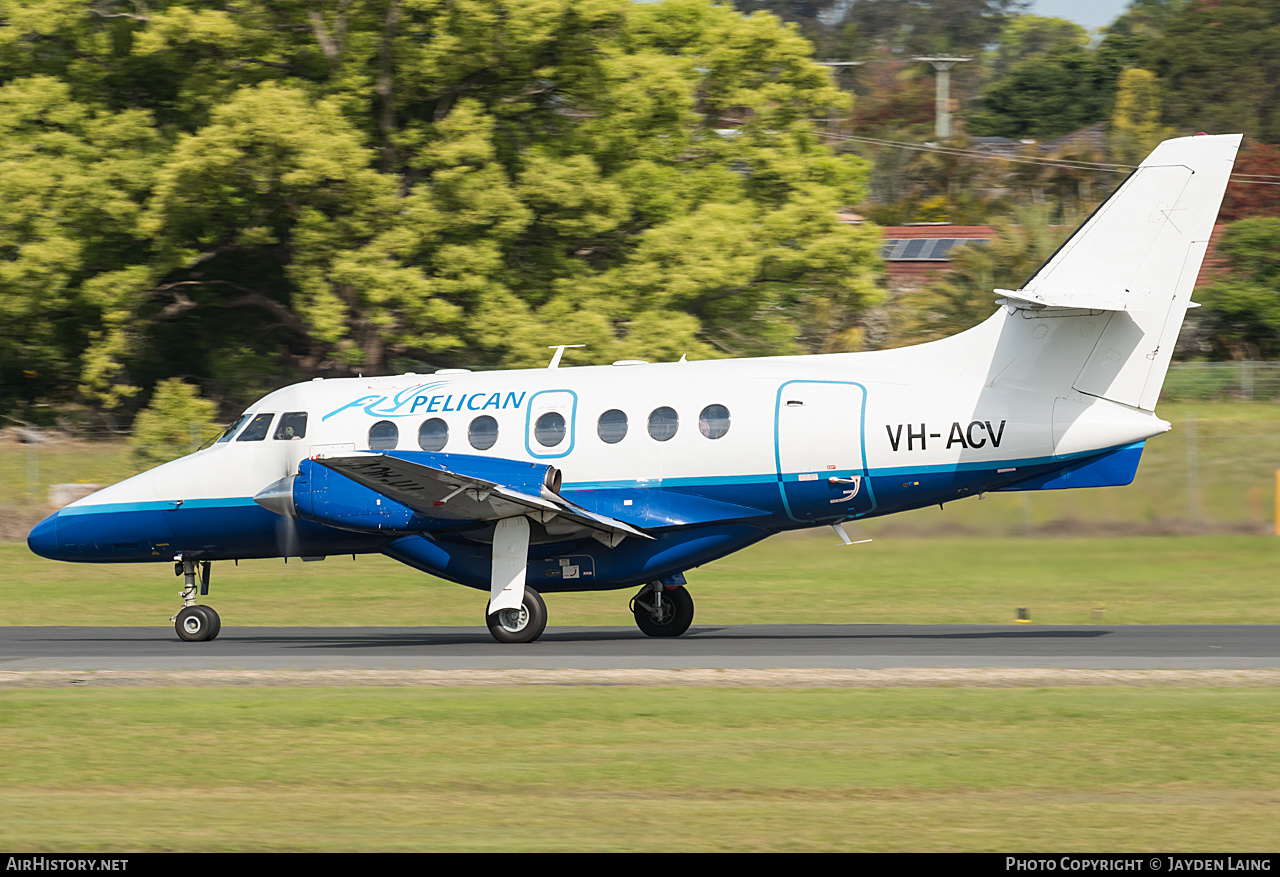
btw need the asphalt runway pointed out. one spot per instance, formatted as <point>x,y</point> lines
<point>781,646</point>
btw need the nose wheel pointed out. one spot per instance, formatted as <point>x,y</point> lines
<point>195,623</point>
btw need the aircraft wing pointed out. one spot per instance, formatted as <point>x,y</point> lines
<point>445,494</point>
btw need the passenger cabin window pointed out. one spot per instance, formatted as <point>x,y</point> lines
<point>663,423</point>
<point>257,429</point>
<point>612,426</point>
<point>384,436</point>
<point>483,433</point>
<point>713,422</point>
<point>433,435</point>
<point>549,429</point>
<point>292,425</point>
<point>230,431</point>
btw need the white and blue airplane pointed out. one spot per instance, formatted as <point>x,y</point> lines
<point>625,476</point>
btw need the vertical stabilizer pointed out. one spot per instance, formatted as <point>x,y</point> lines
<point>1136,260</point>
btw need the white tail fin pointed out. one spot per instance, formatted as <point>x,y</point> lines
<point>1137,258</point>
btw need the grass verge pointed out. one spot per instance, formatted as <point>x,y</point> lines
<point>638,769</point>
<point>800,578</point>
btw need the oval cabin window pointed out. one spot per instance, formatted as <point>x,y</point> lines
<point>612,426</point>
<point>433,435</point>
<point>483,433</point>
<point>713,422</point>
<point>384,436</point>
<point>663,423</point>
<point>549,429</point>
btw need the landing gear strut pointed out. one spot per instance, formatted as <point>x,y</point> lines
<point>523,625</point>
<point>195,623</point>
<point>661,610</point>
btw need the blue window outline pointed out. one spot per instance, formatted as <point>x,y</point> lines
<point>573,427</point>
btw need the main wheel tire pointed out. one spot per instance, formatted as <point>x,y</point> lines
<point>194,625</point>
<point>215,622</point>
<point>523,625</point>
<point>673,617</point>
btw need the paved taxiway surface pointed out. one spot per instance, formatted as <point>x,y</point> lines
<point>870,646</point>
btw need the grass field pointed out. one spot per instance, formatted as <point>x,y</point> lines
<point>639,769</point>
<point>800,578</point>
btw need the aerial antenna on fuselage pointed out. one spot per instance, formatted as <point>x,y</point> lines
<point>560,349</point>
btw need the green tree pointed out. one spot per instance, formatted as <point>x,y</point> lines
<point>1025,36</point>
<point>332,188</point>
<point>1242,309</point>
<point>1219,67</point>
<point>1135,122</point>
<point>73,181</point>
<point>930,26</point>
<point>175,423</point>
<point>1064,89</point>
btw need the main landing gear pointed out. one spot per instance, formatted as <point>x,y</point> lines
<point>195,623</point>
<point>523,625</point>
<point>661,610</point>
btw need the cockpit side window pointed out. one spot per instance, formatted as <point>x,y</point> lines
<point>230,431</point>
<point>292,425</point>
<point>257,429</point>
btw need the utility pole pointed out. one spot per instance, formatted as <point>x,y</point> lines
<point>942,97</point>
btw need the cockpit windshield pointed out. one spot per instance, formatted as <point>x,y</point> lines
<point>257,429</point>
<point>231,430</point>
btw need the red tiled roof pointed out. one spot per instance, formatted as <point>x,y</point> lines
<point>903,232</point>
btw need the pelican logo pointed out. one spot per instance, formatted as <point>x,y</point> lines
<point>419,399</point>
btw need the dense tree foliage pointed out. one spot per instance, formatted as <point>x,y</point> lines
<point>1220,67</point>
<point>175,423</point>
<point>1025,36</point>
<point>1135,121</point>
<point>1242,309</point>
<point>1046,94</point>
<point>243,192</point>
<point>1256,190</point>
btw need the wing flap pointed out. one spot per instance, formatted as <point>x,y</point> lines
<point>445,494</point>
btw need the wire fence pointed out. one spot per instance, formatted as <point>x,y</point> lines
<point>1203,381</point>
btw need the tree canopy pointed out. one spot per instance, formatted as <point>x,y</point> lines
<point>243,193</point>
<point>1242,308</point>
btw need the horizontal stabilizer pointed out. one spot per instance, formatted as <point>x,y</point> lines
<point>1092,300</point>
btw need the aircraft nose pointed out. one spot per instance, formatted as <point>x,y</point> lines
<point>43,538</point>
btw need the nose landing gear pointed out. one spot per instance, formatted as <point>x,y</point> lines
<point>195,623</point>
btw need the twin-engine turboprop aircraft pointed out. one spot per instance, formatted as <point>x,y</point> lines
<point>629,475</point>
